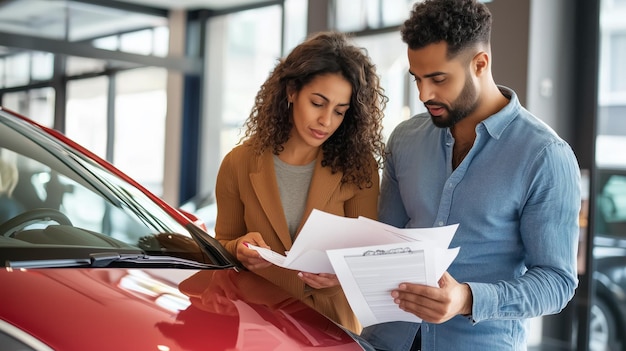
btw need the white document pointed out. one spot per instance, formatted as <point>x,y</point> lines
<point>368,274</point>
<point>370,259</point>
<point>324,231</point>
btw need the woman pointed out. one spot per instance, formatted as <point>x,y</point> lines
<point>313,140</point>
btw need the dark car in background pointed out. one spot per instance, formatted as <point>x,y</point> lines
<point>94,261</point>
<point>608,312</point>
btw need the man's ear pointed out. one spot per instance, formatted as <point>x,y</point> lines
<point>480,63</point>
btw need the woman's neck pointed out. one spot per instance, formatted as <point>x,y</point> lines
<point>298,156</point>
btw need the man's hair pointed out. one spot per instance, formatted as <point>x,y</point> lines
<point>459,23</point>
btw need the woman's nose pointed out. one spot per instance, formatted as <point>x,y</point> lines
<point>325,118</point>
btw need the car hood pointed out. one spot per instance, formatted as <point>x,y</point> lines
<point>161,309</point>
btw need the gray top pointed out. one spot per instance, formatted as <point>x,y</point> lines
<point>293,186</point>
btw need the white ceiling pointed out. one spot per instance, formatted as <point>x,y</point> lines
<point>194,4</point>
<point>76,20</point>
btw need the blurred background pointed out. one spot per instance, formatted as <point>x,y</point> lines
<point>161,89</point>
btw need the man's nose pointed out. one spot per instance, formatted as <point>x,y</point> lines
<point>425,92</point>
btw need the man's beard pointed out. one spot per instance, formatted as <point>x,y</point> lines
<point>463,106</point>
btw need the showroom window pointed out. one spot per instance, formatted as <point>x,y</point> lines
<point>42,66</point>
<point>245,57</point>
<point>242,49</point>
<point>23,68</point>
<point>17,69</point>
<point>611,128</point>
<point>608,310</point>
<point>105,97</point>
<point>151,41</point>
<point>139,107</point>
<point>36,103</point>
<point>139,143</point>
<point>388,53</point>
<point>360,15</point>
<point>86,116</point>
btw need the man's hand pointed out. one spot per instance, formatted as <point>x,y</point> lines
<point>435,305</point>
<point>251,259</point>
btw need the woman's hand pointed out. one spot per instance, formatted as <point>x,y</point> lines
<point>248,257</point>
<point>319,281</point>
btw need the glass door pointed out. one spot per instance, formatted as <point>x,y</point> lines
<point>608,311</point>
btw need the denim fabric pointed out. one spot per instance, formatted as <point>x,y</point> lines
<point>516,197</point>
<point>397,336</point>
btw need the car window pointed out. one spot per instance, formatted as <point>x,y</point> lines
<point>41,187</point>
<point>53,196</point>
<point>612,206</point>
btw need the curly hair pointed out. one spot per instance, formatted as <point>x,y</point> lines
<point>459,23</point>
<point>359,137</point>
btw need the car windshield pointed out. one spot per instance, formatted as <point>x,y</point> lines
<point>57,203</point>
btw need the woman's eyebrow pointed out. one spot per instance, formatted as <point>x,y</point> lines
<point>325,98</point>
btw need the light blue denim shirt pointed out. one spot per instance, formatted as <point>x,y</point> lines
<point>516,197</point>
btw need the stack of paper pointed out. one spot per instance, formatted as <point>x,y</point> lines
<point>370,259</point>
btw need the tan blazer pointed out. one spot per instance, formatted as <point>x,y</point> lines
<point>248,201</point>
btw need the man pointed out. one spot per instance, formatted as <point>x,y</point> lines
<point>477,158</point>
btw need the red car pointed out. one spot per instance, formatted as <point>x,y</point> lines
<point>94,261</point>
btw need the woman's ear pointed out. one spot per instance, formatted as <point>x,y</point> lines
<point>291,92</point>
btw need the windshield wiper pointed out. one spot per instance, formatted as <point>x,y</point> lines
<point>49,263</point>
<point>112,259</point>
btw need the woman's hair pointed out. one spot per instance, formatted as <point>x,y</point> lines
<point>359,137</point>
<point>459,23</point>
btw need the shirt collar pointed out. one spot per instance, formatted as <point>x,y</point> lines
<point>498,122</point>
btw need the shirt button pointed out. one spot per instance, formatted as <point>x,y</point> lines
<point>440,223</point>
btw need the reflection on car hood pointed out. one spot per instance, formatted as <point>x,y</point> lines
<point>161,309</point>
